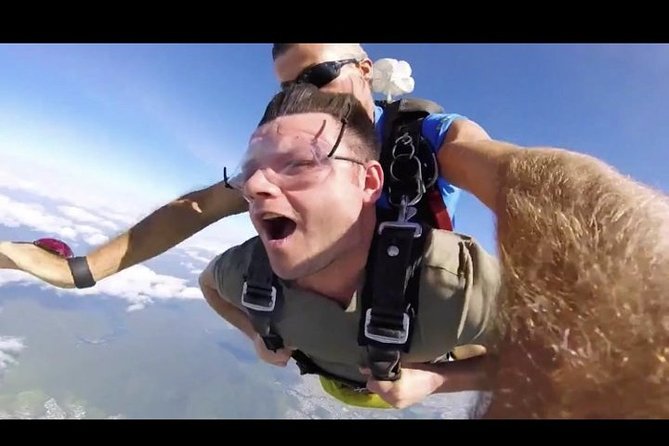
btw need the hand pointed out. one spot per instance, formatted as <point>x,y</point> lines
<point>414,385</point>
<point>6,262</point>
<point>34,260</point>
<point>279,358</point>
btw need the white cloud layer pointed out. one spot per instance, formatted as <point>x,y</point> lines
<point>65,208</point>
<point>10,347</point>
<point>138,285</point>
<point>33,216</point>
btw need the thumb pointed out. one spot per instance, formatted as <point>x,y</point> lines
<point>6,262</point>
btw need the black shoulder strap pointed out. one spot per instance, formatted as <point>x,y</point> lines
<point>262,295</point>
<point>420,104</point>
<point>413,104</point>
<point>409,163</point>
<point>390,296</point>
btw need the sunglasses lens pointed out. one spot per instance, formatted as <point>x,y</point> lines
<point>319,75</point>
<point>322,74</point>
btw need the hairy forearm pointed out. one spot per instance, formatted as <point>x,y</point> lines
<point>571,227</point>
<point>227,311</point>
<point>585,258</point>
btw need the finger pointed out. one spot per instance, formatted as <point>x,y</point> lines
<point>287,350</point>
<point>373,386</point>
<point>275,359</point>
<point>468,351</point>
<point>7,263</point>
<point>284,357</point>
<point>365,371</point>
<point>379,387</point>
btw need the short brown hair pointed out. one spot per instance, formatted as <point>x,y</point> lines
<point>280,48</point>
<point>306,98</point>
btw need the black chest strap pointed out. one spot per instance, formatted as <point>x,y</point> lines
<point>262,296</point>
<point>390,297</point>
<point>409,164</point>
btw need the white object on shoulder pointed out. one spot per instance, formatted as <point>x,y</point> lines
<point>392,77</point>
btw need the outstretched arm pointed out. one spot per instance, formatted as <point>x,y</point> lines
<point>585,260</point>
<point>155,234</point>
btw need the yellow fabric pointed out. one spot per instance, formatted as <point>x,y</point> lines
<point>350,397</point>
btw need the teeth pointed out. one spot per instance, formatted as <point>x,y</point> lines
<point>270,216</point>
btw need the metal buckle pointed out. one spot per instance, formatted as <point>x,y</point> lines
<point>259,307</point>
<point>406,212</point>
<point>418,175</point>
<point>407,141</point>
<point>387,339</point>
<point>417,228</point>
<point>414,200</point>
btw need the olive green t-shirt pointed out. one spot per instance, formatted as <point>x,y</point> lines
<point>459,284</point>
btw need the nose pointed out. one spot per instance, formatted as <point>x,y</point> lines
<point>259,186</point>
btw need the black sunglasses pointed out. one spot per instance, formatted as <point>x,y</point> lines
<point>320,74</point>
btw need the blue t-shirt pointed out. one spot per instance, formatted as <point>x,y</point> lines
<point>434,130</point>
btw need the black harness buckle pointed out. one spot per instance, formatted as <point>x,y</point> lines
<point>258,298</point>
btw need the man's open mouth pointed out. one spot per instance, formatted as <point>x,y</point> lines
<point>278,227</point>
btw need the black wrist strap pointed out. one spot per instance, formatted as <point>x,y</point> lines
<point>81,273</point>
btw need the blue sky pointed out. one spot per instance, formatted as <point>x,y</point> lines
<point>157,121</point>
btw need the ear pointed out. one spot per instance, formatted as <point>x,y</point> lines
<point>366,69</point>
<point>373,182</point>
